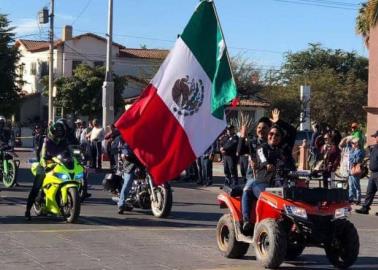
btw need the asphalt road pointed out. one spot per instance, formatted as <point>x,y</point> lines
<point>105,240</point>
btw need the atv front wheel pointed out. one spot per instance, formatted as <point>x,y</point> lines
<point>343,249</point>
<point>227,243</point>
<point>270,243</point>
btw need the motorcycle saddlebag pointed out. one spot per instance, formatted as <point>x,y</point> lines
<point>112,182</point>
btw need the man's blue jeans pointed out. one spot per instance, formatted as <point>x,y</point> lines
<point>354,188</point>
<point>252,190</point>
<point>128,179</point>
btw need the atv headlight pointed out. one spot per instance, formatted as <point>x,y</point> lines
<point>79,176</point>
<point>342,212</point>
<point>296,211</point>
<point>62,176</point>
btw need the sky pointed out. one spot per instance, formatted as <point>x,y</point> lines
<point>260,30</point>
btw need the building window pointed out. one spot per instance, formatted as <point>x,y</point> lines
<point>98,63</point>
<point>75,64</point>
<point>44,69</point>
<point>33,68</point>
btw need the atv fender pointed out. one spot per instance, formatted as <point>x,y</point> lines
<point>268,206</point>
<point>226,201</point>
<point>64,187</point>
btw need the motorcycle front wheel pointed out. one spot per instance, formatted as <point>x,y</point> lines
<point>9,179</point>
<point>161,208</point>
<point>71,210</point>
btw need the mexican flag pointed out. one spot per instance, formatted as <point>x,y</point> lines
<point>181,112</point>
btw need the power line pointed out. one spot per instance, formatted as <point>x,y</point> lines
<point>317,4</point>
<point>82,11</point>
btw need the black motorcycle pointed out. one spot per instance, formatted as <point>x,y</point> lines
<point>8,166</point>
<point>78,153</point>
<point>143,194</point>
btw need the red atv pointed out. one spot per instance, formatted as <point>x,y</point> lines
<point>288,219</point>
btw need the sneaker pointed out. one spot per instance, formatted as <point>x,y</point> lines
<point>115,199</point>
<point>120,210</point>
<point>200,183</point>
<point>209,183</point>
<point>87,195</point>
<point>247,228</point>
<point>376,213</point>
<point>362,210</point>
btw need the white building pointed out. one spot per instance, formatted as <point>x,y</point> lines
<point>138,65</point>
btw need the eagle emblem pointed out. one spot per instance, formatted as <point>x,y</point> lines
<point>188,95</point>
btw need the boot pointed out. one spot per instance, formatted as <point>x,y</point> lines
<point>363,210</point>
<point>27,214</point>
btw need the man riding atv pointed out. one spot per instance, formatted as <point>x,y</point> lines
<point>273,145</point>
<point>53,145</point>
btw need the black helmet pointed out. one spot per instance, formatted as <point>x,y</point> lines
<point>57,131</point>
<point>2,121</point>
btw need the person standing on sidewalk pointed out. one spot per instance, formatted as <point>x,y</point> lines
<point>96,136</point>
<point>228,148</point>
<point>373,180</point>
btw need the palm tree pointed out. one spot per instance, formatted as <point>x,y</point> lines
<point>367,18</point>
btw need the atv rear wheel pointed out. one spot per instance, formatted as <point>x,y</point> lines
<point>343,250</point>
<point>270,243</point>
<point>226,239</point>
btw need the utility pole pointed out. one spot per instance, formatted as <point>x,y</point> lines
<point>108,86</point>
<point>51,62</point>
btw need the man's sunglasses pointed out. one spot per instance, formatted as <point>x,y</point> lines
<point>274,134</point>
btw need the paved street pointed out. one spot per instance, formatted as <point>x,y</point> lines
<point>105,240</point>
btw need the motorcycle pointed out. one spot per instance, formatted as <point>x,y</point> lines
<point>8,167</point>
<point>143,194</point>
<point>59,194</point>
<point>80,157</point>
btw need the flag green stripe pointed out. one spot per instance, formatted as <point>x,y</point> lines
<point>223,91</point>
<point>204,38</point>
<point>200,35</point>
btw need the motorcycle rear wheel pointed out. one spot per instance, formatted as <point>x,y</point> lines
<point>71,210</point>
<point>163,206</point>
<point>38,209</point>
<point>9,179</point>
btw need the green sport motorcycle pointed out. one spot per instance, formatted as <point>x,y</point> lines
<point>59,194</point>
<point>8,166</point>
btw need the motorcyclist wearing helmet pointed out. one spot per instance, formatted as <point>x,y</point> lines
<point>5,134</point>
<point>53,145</point>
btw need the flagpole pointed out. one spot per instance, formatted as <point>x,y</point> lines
<point>224,40</point>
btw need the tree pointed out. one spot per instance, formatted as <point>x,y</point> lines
<point>9,56</point>
<point>247,76</point>
<point>81,94</point>
<point>367,18</point>
<point>338,81</point>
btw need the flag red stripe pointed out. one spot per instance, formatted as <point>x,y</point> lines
<point>156,137</point>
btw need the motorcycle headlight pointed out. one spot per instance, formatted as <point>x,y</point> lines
<point>342,212</point>
<point>296,211</point>
<point>77,152</point>
<point>79,176</point>
<point>62,176</point>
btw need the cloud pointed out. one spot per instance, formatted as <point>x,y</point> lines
<point>26,26</point>
<point>64,17</point>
